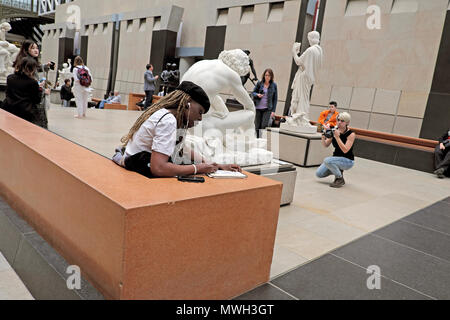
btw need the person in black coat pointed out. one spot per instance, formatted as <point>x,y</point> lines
<point>442,156</point>
<point>23,93</point>
<point>66,93</point>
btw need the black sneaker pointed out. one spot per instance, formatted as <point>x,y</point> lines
<point>338,182</point>
<point>440,173</point>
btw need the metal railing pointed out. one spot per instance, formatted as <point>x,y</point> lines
<point>28,5</point>
<point>49,6</point>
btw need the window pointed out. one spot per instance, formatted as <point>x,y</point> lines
<point>222,17</point>
<point>142,24</point>
<point>403,6</point>
<point>275,12</point>
<point>157,24</point>
<point>247,14</point>
<point>356,7</point>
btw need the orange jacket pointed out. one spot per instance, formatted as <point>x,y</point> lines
<point>324,115</point>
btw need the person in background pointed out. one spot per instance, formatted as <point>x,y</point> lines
<point>442,156</point>
<point>81,92</point>
<point>30,48</point>
<point>343,157</point>
<point>328,118</point>
<point>113,98</point>
<point>66,93</point>
<point>23,93</point>
<point>149,85</point>
<point>265,97</point>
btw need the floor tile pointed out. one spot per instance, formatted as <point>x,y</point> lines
<point>4,265</point>
<point>414,236</point>
<point>331,278</point>
<point>414,269</point>
<point>12,288</point>
<point>284,260</point>
<point>435,217</point>
<point>265,292</point>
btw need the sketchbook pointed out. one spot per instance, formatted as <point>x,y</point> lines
<point>222,174</point>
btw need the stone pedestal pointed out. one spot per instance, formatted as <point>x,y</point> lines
<point>297,129</point>
<point>305,150</point>
<point>283,172</point>
<point>2,92</point>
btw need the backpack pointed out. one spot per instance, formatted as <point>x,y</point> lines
<point>84,77</point>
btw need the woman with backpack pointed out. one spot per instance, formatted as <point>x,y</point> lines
<point>82,80</point>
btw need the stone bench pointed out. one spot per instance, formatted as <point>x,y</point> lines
<point>115,106</point>
<point>133,237</point>
<point>134,98</point>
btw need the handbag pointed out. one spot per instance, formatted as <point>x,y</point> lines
<point>256,100</point>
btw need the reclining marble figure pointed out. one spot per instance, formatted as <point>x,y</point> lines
<point>226,137</point>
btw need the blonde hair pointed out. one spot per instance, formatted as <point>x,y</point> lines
<point>345,116</point>
<point>176,99</point>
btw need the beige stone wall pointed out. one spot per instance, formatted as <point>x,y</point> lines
<point>383,77</point>
<point>134,54</point>
<point>50,45</point>
<point>265,27</point>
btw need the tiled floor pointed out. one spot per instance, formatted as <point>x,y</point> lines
<point>320,219</point>
<point>412,256</point>
<point>11,287</point>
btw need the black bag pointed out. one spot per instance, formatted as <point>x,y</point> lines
<point>446,143</point>
<point>260,90</point>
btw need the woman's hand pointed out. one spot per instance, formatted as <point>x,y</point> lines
<point>207,167</point>
<point>260,95</point>
<point>441,145</point>
<point>337,133</point>
<point>230,167</point>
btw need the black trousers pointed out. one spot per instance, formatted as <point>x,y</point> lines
<point>442,159</point>
<point>262,118</point>
<point>148,98</point>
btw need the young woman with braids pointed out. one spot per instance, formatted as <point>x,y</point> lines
<point>154,149</point>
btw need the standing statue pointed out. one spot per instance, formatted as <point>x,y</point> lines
<point>65,72</point>
<point>309,64</point>
<point>245,78</point>
<point>8,53</point>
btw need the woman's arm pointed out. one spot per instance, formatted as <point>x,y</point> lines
<point>256,89</point>
<point>348,145</point>
<point>326,141</point>
<point>161,167</point>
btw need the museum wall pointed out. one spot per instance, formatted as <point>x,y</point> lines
<point>383,77</point>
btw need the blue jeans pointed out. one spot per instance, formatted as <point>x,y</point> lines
<point>334,165</point>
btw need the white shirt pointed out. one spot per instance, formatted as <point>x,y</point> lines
<point>150,137</point>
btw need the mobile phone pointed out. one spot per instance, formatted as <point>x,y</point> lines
<point>191,179</point>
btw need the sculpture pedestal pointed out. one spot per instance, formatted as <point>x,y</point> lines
<point>305,150</point>
<point>297,129</point>
<point>283,172</point>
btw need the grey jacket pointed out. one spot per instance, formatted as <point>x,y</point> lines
<point>149,81</point>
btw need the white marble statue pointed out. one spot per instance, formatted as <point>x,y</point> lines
<point>223,136</point>
<point>8,53</point>
<point>65,73</point>
<point>309,64</point>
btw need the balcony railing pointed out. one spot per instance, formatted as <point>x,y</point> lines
<point>49,6</point>
<point>28,5</point>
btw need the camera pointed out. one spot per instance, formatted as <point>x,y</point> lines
<point>51,65</point>
<point>329,133</point>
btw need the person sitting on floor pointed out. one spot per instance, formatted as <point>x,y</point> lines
<point>154,145</point>
<point>66,93</point>
<point>442,156</point>
<point>343,158</point>
<point>328,118</point>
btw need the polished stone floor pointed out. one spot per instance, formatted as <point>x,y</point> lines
<point>320,219</point>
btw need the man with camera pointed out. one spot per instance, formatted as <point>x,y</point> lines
<point>442,156</point>
<point>342,138</point>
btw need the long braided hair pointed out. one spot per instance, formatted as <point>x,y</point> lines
<point>175,100</point>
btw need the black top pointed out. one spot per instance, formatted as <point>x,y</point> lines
<point>23,94</point>
<point>444,137</point>
<point>66,93</point>
<point>337,150</point>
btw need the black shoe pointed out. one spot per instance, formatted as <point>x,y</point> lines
<point>440,173</point>
<point>338,182</point>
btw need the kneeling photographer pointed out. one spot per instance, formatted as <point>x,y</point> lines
<point>342,139</point>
